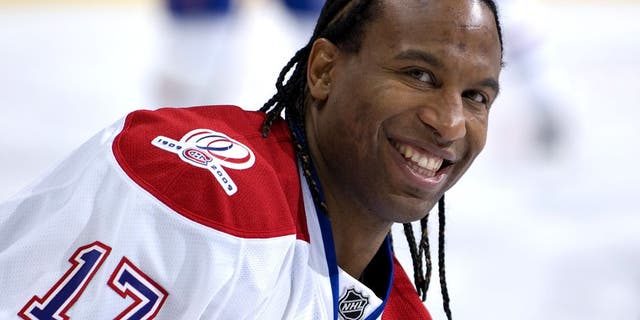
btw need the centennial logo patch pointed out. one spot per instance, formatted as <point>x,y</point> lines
<point>210,150</point>
<point>352,304</point>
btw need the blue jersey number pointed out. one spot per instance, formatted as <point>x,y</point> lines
<point>126,280</point>
<point>53,306</point>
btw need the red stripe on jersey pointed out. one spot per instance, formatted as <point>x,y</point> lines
<point>404,302</point>
<point>268,202</point>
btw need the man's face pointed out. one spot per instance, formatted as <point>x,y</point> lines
<point>406,116</point>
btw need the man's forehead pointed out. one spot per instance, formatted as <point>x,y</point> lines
<point>437,28</point>
<point>445,19</point>
<point>466,13</point>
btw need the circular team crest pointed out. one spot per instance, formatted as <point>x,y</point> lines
<point>228,152</point>
<point>210,150</point>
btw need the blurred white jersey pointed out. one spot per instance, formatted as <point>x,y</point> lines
<point>185,213</point>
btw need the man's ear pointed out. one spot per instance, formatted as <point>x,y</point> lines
<point>322,60</point>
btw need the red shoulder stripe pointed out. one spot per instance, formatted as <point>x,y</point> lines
<point>403,302</point>
<point>268,202</point>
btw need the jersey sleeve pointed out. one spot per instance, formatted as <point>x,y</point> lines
<point>125,229</point>
<point>189,158</point>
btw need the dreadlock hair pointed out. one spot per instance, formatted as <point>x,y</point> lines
<point>343,23</point>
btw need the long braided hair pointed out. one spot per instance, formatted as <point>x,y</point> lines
<point>343,22</point>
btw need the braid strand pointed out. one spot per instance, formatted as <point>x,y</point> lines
<point>441,268</point>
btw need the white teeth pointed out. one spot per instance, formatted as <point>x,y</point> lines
<point>408,152</point>
<point>422,160</point>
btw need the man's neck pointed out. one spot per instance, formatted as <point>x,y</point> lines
<point>358,232</point>
<point>357,236</point>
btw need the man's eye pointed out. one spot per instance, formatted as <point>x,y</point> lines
<point>476,96</point>
<point>421,75</point>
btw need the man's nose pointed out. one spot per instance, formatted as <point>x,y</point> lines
<point>445,116</point>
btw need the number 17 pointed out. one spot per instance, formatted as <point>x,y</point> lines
<point>126,280</point>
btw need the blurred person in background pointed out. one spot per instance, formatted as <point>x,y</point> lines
<point>203,38</point>
<point>195,34</point>
<point>545,108</point>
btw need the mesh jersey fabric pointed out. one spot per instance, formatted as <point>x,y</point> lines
<point>181,213</point>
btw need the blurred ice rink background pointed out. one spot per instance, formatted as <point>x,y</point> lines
<point>545,226</point>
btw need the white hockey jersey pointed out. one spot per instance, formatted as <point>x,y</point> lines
<point>184,213</point>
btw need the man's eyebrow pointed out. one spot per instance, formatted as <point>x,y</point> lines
<point>491,83</point>
<point>412,54</point>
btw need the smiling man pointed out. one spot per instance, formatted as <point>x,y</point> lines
<point>220,213</point>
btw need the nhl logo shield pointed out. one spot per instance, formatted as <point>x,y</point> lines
<point>352,304</point>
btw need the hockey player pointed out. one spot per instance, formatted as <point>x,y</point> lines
<point>220,213</point>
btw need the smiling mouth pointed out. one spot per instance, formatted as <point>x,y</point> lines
<point>419,161</point>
